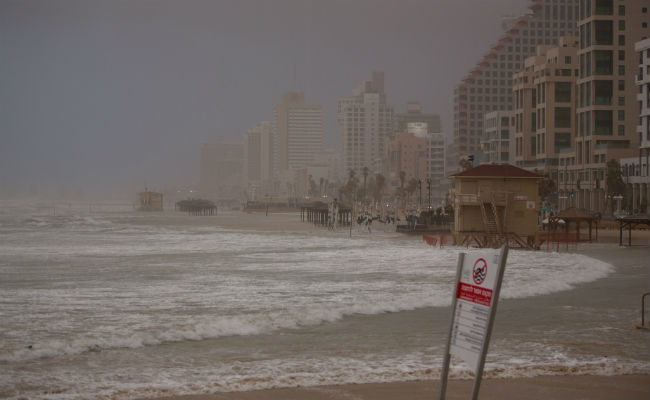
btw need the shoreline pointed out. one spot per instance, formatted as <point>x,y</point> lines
<point>567,387</point>
<point>636,386</point>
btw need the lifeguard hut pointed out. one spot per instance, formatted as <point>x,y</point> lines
<point>496,204</point>
<point>150,201</point>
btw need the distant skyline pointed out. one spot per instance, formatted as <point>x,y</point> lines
<point>106,96</point>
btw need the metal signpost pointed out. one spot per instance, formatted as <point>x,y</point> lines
<point>474,304</point>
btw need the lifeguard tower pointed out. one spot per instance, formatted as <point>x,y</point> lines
<point>496,204</point>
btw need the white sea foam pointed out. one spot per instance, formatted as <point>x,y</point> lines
<point>244,284</point>
<point>150,381</point>
<point>83,287</point>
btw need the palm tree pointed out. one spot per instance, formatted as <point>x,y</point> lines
<point>380,181</point>
<point>365,172</point>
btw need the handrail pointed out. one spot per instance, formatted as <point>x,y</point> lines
<point>643,309</point>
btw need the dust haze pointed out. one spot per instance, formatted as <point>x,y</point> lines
<point>102,98</point>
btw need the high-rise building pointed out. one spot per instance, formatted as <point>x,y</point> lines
<point>297,132</point>
<point>415,153</point>
<point>498,126</point>
<point>365,122</point>
<point>636,170</point>
<point>608,112</point>
<point>414,114</point>
<point>488,86</point>
<point>544,107</point>
<point>258,157</point>
<point>221,170</point>
<point>437,182</point>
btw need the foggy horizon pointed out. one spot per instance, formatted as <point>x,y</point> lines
<point>107,97</point>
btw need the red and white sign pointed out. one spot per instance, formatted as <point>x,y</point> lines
<point>474,299</point>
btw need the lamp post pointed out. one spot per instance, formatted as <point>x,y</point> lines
<point>429,189</point>
<point>420,193</point>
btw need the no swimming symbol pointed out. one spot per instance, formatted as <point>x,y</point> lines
<point>480,271</point>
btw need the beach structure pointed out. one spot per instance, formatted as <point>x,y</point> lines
<point>150,201</point>
<point>329,215</point>
<point>196,207</point>
<point>573,218</point>
<point>496,204</point>
<point>630,222</point>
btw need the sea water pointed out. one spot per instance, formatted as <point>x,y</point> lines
<point>113,304</point>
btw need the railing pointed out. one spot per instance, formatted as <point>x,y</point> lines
<point>643,324</point>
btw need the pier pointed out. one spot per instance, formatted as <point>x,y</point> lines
<point>197,207</point>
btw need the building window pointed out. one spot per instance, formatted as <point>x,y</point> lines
<point>621,115</point>
<point>621,10</point>
<point>621,85</point>
<point>562,117</point>
<point>603,92</point>
<point>621,25</point>
<point>621,40</point>
<point>604,7</point>
<point>621,69</point>
<point>563,92</point>
<point>621,100</point>
<point>603,122</point>
<point>604,32</point>
<point>603,62</point>
<point>621,130</point>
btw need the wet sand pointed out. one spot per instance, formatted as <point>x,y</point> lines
<point>629,387</point>
<point>541,387</point>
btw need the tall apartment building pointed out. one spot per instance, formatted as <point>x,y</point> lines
<point>636,170</point>
<point>420,154</point>
<point>488,86</point>
<point>495,145</point>
<point>297,132</point>
<point>258,159</point>
<point>544,102</point>
<point>221,170</point>
<point>414,114</point>
<point>365,122</point>
<point>607,109</point>
<point>436,169</point>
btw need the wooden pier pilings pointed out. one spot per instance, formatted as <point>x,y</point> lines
<point>196,207</point>
<point>320,215</point>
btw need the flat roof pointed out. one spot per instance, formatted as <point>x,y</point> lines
<point>496,171</point>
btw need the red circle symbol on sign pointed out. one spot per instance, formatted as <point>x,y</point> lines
<point>480,271</point>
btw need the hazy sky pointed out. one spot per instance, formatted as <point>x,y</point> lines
<point>112,95</point>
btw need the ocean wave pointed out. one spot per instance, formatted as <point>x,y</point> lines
<point>151,381</point>
<point>199,328</point>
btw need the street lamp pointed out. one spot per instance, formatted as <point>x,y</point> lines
<point>429,189</point>
<point>420,194</point>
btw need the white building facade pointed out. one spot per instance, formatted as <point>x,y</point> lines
<point>365,122</point>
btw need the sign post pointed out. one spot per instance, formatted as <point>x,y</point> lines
<point>474,304</point>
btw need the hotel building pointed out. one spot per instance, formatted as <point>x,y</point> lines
<point>365,122</point>
<point>488,86</point>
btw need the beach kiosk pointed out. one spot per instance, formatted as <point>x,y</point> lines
<point>150,201</point>
<point>496,204</point>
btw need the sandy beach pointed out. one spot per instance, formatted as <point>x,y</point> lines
<point>248,306</point>
<point>562,385</point>
<point>629,387</point>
